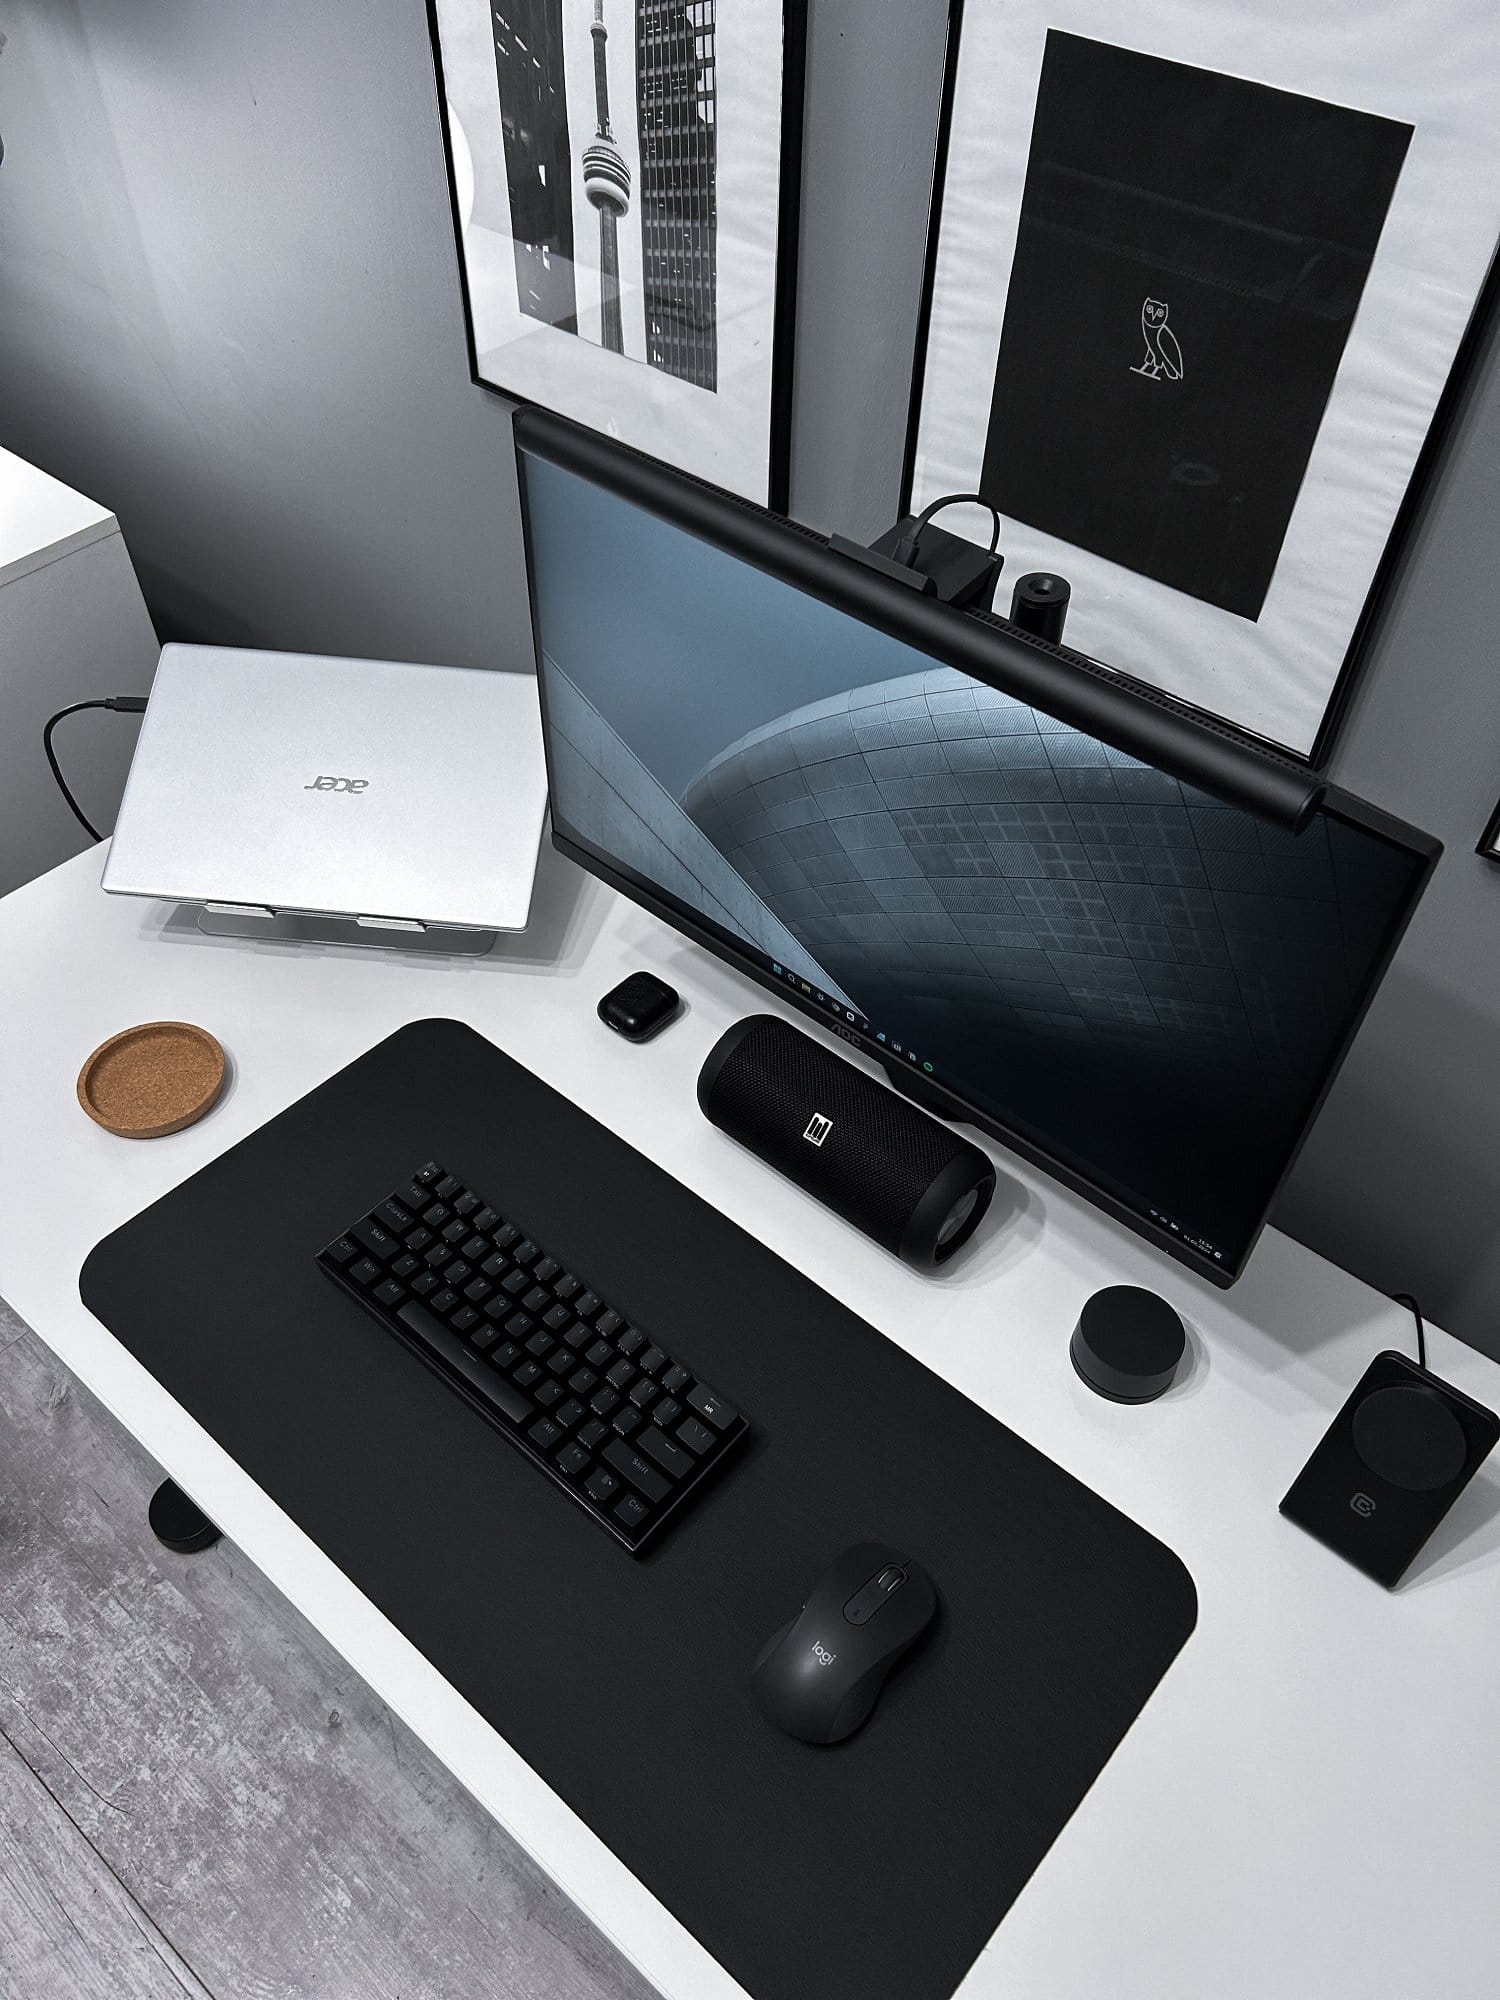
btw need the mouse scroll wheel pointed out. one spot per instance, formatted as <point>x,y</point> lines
<point>867,1600</point>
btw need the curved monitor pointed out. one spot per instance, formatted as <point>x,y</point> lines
<point>1144,989</point>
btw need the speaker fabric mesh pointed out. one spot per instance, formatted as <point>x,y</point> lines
<point>878,1155</point>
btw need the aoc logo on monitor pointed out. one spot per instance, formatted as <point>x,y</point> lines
<point>337,785</point>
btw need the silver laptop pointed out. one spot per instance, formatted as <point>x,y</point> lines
<point>388,796</point>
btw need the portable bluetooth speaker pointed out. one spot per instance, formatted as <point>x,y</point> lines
<point>866,1153</point>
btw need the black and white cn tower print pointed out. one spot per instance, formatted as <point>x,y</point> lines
<point>608,113</point>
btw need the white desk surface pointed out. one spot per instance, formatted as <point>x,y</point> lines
<point>1308,1806</point>
<point>41,519</point>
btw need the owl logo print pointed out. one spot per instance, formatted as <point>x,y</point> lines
<point>1163,357</point>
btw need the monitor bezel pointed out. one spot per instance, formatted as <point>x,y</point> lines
<point>865,595</point>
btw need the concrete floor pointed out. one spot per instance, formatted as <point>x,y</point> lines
<point>197,1796</point>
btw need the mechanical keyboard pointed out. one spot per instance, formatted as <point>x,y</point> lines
<point>624,1427</point>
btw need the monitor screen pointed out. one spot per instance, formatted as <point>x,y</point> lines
<point>1145,989</point>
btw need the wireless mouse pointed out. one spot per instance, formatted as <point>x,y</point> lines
<point>819,1677</point>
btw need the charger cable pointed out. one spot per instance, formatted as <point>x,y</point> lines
<point>1406,1299</point>
<point>123,704</point>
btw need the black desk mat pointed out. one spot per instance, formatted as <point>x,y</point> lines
<point>875,1870</point>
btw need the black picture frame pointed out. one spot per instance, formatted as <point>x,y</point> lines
<point>783,313</point>
<point>1484,317</point>
<point>1488,844</point>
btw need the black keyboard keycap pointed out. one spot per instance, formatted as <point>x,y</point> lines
<point>630,1465</point>
<point>377,1240</point>
<point>670,1457</point>
<point>712,1407</point>
<point>695,1437</point>
<point>533,1342</point>
<point>473,1367</point>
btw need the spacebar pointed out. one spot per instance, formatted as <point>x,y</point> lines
<point>437,1339</point>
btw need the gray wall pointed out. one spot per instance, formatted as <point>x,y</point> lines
<point>229,310</point>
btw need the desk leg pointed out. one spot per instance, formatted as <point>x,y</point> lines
<point>177,1523</point>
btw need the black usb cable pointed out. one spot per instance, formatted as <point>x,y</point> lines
<point>123,704</point>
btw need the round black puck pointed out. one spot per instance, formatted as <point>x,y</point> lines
<point>177,1522</point>
<point>1127,1344</point>
<point>1409,1437</point>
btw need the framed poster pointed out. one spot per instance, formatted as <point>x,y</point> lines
<point>1200,282</point>
<point>625,182</point>
<point>625,179</point>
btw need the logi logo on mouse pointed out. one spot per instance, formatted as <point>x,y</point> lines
<point>822,1655</point>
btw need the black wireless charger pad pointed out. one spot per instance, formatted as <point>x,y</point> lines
<point>875,1870</point>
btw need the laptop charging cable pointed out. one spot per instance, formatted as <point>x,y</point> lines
<point>122,704</point>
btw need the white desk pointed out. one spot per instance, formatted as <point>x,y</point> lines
<point>1310,1803</point>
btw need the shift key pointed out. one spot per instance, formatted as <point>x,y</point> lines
<point>630,1465</point>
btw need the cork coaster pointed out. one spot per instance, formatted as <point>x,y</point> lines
<point>152,1080</point>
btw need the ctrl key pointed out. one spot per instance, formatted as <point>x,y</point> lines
<point>631,1512</point>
